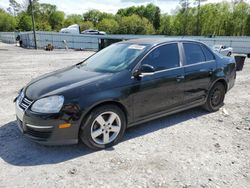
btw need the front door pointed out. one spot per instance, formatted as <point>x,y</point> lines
<point>164,89</point>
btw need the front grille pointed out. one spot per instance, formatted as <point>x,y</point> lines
<point>24,102</point>
<point>37,134</point>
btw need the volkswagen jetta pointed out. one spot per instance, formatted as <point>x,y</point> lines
<point>125,84</point>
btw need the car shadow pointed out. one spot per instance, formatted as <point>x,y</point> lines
<point>17,150</point>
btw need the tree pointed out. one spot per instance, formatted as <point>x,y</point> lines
<point>7,22</point>
<point>198,2</point>
<point>135,25</point>
<point>247,27</point>
<point>240,12</point>
<point>86,25</point>
<point>14,7</point>
<point>56,20</point>
<point>226,18</point>
<point>73,19</point>
<point>42,13</point>
<point>157,18</point>
<point>108,25</point>
<point>151,12</point>
<point>96,16</point>
<point>93,15</point>
<point>183,16</point>
<point>25,22</point>
<point>165,25</point>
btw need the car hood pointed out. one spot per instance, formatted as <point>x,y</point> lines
<point>61,80</point>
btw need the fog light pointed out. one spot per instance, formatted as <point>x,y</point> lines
<point>64,126</point>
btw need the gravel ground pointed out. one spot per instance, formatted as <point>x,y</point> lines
<point>189,149</point>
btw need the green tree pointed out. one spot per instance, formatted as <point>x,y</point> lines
<point>42,14</point>
<point>73,19</point>
<point>56,20</point>
<point>25,22</point>
<point>165,25</point>
<point>247,27</point>
<point>240,12</point>
<point>7,22</point>
<point>96,16</point>
<point>108,25</point>
<point>93,15</point>
<point>135,25</point>
<point>86,25</point>
<point>151,12</point>
<point>226,18</point>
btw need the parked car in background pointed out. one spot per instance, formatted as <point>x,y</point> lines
<point>224,50</point>
<point>72,29</point>
<point>125,84</point>
<point>93,32</point>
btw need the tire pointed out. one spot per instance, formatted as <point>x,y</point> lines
<point>215,99</point>
<point>229,54</point>
<point>103,127</point>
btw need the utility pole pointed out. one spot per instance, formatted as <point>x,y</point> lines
<point>33,23</point>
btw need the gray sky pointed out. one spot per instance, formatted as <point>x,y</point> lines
<point>111,6</point>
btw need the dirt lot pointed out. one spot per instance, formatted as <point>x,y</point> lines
<point>190,149</point>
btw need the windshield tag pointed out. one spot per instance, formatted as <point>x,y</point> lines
<point>136,47</point>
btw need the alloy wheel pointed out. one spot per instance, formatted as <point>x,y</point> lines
<point>105,128</point>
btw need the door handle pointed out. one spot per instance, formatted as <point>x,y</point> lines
<point>210,71</point>
<point>179,78</point>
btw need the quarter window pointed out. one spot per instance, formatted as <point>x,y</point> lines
<point>208,54</point>
<point>193,53</point>
<point>163,57</point>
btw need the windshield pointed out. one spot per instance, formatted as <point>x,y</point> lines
<point>114,58</point>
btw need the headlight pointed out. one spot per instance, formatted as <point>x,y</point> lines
<point>51,104</point>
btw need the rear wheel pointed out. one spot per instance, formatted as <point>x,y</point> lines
<point>104,127</point>
<point>215,97</point>
<point>229,54</point>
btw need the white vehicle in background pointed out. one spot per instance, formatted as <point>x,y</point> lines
<point>93,32</point>
<point>72,29</point>
<point>224,50</point>
<point>75,29</point>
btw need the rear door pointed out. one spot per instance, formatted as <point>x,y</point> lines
<point>199,64</point>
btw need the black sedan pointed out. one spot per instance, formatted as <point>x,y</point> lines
<point>125,84</point>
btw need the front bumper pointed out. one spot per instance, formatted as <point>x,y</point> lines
<point>43,128</point>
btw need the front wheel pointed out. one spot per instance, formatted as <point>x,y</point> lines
<point>229,54</point>
<point>104,127</point>
<point>215,98</point>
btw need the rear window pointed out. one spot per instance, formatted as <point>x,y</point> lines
<point>193,53</point>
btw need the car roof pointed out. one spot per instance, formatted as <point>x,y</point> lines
<point>156,41</point>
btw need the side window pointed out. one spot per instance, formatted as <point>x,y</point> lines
<point>208,54</point>
<point>163,57</point>
<point>193,53</point>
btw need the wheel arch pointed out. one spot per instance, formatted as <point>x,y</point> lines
<point>103,103</point>
<point>221,80</point>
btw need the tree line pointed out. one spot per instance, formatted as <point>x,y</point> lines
<point>226,18</point>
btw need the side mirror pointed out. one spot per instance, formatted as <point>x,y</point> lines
<point>145,70</point>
